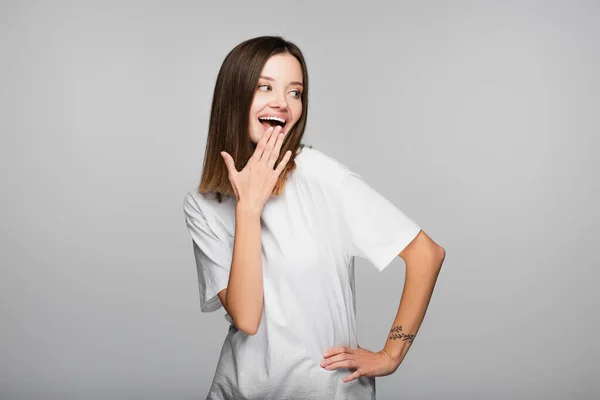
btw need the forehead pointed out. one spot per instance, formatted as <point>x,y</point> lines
<point>283,68</point>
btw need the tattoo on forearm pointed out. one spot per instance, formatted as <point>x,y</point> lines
<point>398,334</point>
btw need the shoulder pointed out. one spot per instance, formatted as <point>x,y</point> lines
<point>195,205</point>
<point>190,204</point>
<point>204,207</point>
<point>316,166</point>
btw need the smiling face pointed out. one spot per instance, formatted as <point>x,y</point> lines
<point>278,96</point>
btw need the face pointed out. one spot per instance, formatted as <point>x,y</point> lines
<point>278,96</point>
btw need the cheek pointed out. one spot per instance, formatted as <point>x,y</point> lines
<point>257,105</point>
<point>297,112</point>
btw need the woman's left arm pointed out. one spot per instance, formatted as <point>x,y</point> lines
<point>423,258</point>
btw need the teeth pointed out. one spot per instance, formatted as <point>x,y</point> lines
<point>272,118</point>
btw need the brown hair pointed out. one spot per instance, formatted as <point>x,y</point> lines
<point>228,128</point>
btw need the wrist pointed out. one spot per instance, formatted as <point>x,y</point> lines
<point>398,343</point>
<point>244,209</point>
<point>389,355</point>
<point>395,353</point>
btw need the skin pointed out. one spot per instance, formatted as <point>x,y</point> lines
<point>253,187</point>
<point>278,95</point>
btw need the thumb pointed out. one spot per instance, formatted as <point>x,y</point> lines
<point>228,161</point>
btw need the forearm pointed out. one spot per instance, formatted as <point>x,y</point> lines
<point>421,276</point>
<point>245,288</point>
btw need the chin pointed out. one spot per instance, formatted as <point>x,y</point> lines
<point>256,135</point>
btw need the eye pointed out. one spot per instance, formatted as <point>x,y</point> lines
<point>298,93</point>
<point>263,86</point>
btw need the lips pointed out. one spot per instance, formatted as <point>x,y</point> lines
<point>278,115</point>
<point>270,123</point>
<point>267,124</point>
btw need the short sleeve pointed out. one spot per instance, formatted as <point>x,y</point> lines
<point>375,229</point>
<point>213,257</point>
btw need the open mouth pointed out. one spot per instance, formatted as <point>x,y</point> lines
<point>268,122</point>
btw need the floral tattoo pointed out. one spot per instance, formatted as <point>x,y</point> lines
<point>398,334</point>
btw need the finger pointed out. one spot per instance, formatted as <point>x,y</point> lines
<point>283,162</point>
<point>235,192</point>
<point>355,375</point>
<point>270,144</point>
<point>231,166</point>
<point>350,363</point>
<point>333,360</point>
<point>340,349</point>
<point>229,163</point>
<point>260,146</point>
<point>277,149</point>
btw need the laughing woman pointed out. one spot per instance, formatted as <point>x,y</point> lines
<point>275,227</point>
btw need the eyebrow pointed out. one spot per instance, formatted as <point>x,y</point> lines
<point>273,80</point>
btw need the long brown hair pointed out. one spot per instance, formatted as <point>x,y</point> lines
<point>228,128</point>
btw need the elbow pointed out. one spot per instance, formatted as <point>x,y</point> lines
<point>249,332</point>
<point>440,254</point>
<point>244,320</point>
<point>248,329</point>
<point>245,326</point>
<point>423,250</point>
<point>435,256</point>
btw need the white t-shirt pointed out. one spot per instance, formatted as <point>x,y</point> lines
<point>325,216</point>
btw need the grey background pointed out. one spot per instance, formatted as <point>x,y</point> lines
<point>477,119</point>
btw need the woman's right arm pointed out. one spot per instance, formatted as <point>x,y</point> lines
<point>253,186</point>
<point>243,298</point>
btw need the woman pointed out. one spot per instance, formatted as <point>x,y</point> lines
<point>275,228</point>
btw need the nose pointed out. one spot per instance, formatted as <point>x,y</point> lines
<point>279,101</point>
